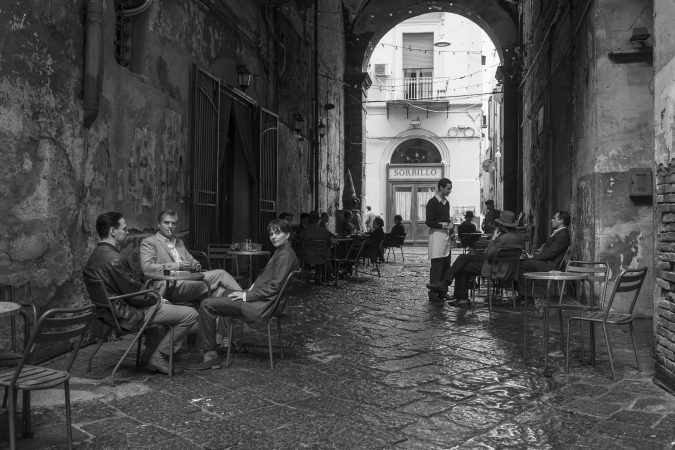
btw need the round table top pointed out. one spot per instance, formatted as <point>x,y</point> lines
<point>8,309</point>
<point>555,275</point>
<point>249,252</point>
<point>176,275</point>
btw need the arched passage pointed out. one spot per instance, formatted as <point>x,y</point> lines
<point>370,20</point>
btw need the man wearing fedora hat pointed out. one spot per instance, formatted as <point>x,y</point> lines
<point>504,236</point>
<point>466,227</point>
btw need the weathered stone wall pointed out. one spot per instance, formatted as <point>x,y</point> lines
<point>664,153</point>
<point>57,176</point>
<point>584,166</point>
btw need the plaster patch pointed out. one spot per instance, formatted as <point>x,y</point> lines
<point>29,247</point>
<point>11,119</point>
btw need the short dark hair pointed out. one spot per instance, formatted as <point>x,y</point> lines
<point>443,182</point>
<point>304,216</point>
<point>347,213</point>
<point>489,202</point>
<point>368,207</point>
<point>398,218</point>
<point>284,215</point>
<point>164,213</point>
<point>280,225</point>
<point>106,221</point>
<point>378,220</point>
<point>313,217</point>
<point>565,217</point>
<point>468,214</point>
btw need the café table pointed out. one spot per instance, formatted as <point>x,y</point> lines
<point>177,275</point>
<point>250,254</point>
<point>530,278</point>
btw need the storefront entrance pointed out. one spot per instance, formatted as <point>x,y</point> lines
<point>410,201</point>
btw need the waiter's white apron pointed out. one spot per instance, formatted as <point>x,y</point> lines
<point>439,243</point>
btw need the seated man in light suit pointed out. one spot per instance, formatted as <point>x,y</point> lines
<point>164,248</point>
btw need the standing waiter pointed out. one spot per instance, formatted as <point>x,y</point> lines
<point>441,230</point>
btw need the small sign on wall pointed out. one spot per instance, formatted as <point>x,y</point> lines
<point>640,183</point>
<point>415,172</point>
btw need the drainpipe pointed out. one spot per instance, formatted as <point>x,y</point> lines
<point>93,61</point>
<point>315,134</point>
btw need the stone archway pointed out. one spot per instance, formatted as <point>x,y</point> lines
<point>367,21</point>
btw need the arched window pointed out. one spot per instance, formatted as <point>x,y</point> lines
<point>416,151</point>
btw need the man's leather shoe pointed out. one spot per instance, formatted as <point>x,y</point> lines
<point>435,300</point>
<point>158,363</point>
<point>446,296</point>
<point>440,286</point>
<point>460,303</point>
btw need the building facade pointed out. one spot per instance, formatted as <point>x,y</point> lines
<point>424,118</point>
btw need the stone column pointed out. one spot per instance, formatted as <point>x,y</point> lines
<point>356,86</point>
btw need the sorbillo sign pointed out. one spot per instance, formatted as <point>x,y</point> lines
<point>415,173</point>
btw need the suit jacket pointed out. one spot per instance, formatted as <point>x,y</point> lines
<point>155,253</point>
<point>502,270</point>
<point>106,264</point>
<point>553,250</point>
<point>260,298</point>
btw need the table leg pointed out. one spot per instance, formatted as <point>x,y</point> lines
<point>527,282</point>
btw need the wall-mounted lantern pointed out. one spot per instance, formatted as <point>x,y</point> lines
<point>243,77</point>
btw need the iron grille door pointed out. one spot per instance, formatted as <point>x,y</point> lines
<point>267,188</point>
<point>206,116</point>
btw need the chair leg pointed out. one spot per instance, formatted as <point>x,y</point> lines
<point>25,414</point>
<point>609,350</point>
<point>11,411</point>
<point>281,343</point>
<point>489,294</point>
<point>560,320</point>
<point>69,431</point>
<point>138,351</point>
<point>402,257</point>
<point>229,344</point>
<point>269,345</point>
<point>632,338</point>
<point>98,347</point>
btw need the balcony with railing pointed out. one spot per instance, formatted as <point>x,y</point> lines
<point>413,89</point>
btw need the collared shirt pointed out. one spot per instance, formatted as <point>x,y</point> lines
<point>556,230</point>
<point>171,244</point>
<point>443,200</point>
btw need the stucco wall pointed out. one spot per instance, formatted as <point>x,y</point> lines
<point>57,176</point>
<point>610,133</point>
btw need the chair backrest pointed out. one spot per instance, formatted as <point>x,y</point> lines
<point>629,281</point>
<point>57,325</point>
<point>282,296</point>
<point>480,245</point>
<point>217,254</point>
<point>507,261</point>
<point>563,261</point>
<point>103,308</point>
<point>201,258</point>
<point>354,252</point>
<point>397,240</point>
<point>315,251</point>
<point>596,272</point>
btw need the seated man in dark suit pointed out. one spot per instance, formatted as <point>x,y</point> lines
<point>465,227</point>
<point>115,272</point>
<point>374,238</point>
<point>254,304</point>
<point>548,256</point>
<point>505,236</point>
<point>348,227</point>
<point>398,229</point>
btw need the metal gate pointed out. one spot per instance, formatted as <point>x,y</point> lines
<point>205,183</point>
<point>267,189</point>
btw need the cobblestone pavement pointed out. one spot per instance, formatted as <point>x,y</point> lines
<point>370,364</point>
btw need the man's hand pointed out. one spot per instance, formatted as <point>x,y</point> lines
<point>184,265</point>
<point>195,267</point>
<point>238,295</point>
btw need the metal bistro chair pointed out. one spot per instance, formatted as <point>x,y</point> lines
<point>597,272</point>
<point>54,326</point>
<point>629,282</point>
<point>316,252</point>
<point>202,258</point>
<point>392,242</point>
<point>279,312</point>
<point>508,260</point>
<point>105,313</point>
<point>353,257</point>
<point>219,254</point>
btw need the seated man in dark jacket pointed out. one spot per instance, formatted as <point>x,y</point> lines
<point>105,264</point>
<point>466,227</point>
<point>467,265</point>
<point>374,238</point>
<point>256,303</point>
<point>548,256</point>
